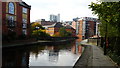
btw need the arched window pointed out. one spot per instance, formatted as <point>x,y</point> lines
<point>11,8</point>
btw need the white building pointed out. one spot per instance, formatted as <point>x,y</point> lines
<point>58,18</point>
<point>55,18</point>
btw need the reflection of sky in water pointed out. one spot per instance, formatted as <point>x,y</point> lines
<point>42,55</point>
<point>54,58</point>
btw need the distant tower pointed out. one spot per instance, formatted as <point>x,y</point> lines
<point>58,18</point>
<point>55,18</point>
<point>51,17</point>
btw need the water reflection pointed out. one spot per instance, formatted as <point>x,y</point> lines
<point>43,55</point>
<point>15,58</point>
<point>53,54</point>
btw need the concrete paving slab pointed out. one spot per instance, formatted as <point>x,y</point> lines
<point>93,57</point>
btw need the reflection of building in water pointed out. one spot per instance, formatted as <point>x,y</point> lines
<point>15,58</point>
<point>76,48</point>
<point>53,54</point>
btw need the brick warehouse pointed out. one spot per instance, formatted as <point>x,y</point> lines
<point>15,19</point>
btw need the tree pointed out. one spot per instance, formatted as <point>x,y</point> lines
<point>109,14</point>
<point>38,31</point>
<point>64,33</point>
<point>36,24</point>
<point>57,34</point>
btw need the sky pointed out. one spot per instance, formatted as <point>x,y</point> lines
<point>68,9</point>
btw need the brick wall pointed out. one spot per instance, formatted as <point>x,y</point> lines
<point>17,18</point>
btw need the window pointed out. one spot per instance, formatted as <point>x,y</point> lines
<point>11,21</point>
<point>24,31</point>
<point>24,10</point>
<point>11,8</point>
<point>24,25</point>
<point>24,21</point>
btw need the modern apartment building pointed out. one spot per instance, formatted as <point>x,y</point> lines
<point>15,19</point>
<point>85,27</point>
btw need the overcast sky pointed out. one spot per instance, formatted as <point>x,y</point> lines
<point>68,9</point>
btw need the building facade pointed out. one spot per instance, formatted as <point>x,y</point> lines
<point>45,23</point>
<point>85,27</point>
<point>55,18</point>
<point>58,18</point>
<point>71,29</point>
<point>15,19</point>
<point>67,23</point>
<point>53,29</point>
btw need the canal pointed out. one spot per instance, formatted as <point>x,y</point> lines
<point>65,54</point>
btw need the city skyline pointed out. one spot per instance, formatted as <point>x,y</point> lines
<point>68,9</point>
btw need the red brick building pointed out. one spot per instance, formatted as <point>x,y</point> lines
<point>53,29</point>
<point>15,19</point>
<point>71,29</point>
<point>85,27</point>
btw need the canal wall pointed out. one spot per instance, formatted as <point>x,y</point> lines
<point>57,38</point>
<point>85,59</point>
<point>54,41</point>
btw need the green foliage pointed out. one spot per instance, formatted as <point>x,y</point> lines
<point>35,24</point>
<point>57,34</point>
<point>38,32</point>
<point>69,33</point>
<point>64,33</point>
<point>108,13</point>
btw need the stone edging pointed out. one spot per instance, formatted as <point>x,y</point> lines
<point>86,57</point>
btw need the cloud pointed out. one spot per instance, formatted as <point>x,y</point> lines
<point>67,8</point>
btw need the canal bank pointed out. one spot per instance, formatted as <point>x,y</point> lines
<point>86,58</point>
<point>93,56</point>
<point>35,43</point>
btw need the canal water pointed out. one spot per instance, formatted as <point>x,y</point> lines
<point>65,54</point>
